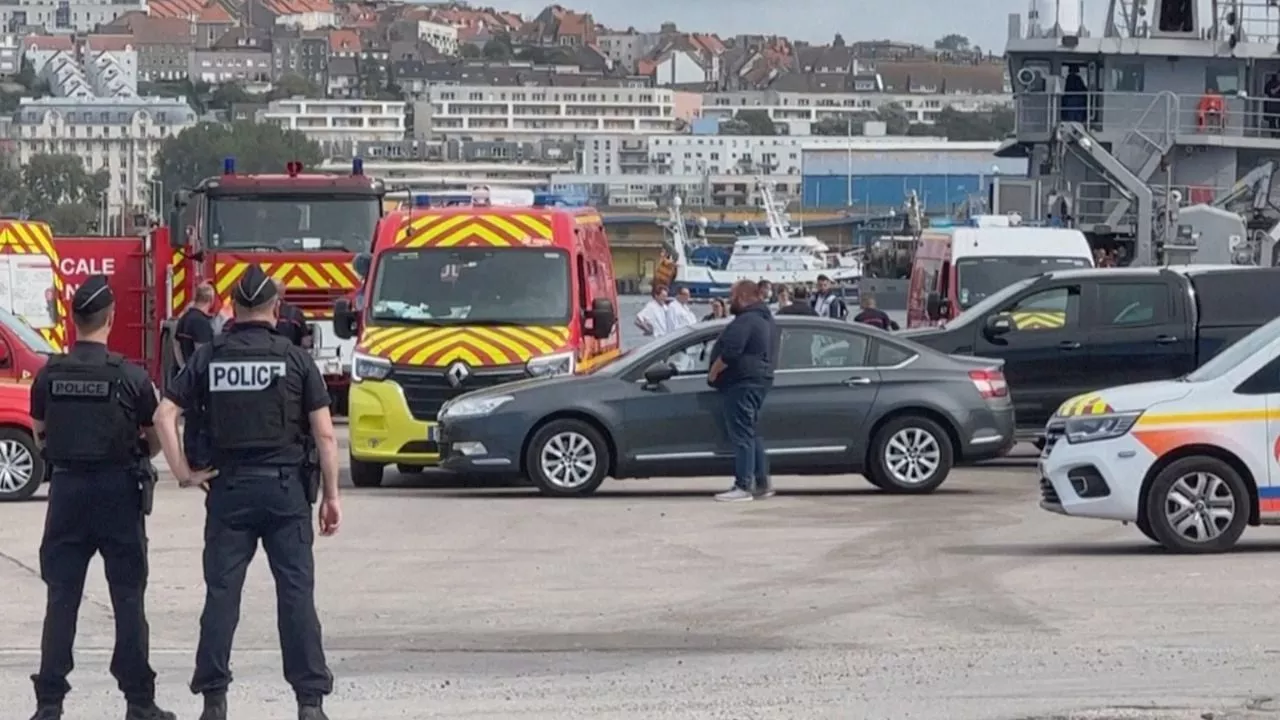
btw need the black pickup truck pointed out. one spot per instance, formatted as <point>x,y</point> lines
<point>1070,332</point>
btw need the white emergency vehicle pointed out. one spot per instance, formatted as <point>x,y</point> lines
<point>1191,461</point>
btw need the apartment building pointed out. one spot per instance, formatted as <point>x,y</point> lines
<point>796,112</point>
<point>120,135</point>
<point>339,126</point>
<point>63,17</point>
<point>520,112</point>
<point>10,54</point>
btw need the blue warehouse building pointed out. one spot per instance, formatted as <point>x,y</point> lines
<point>875,179</point>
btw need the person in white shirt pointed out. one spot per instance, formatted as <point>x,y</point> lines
<point>654,319</point>
<point>680,311</point>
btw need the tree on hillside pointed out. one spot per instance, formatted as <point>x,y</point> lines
<point>227,94</point>
<point>499,48</point>
<point>467,51</point>
<point>56,189</point>
<point>895,119</point>
<point>993,124</point>
<point>953,42</point>
<point>293,85</point>
<point>198,152</point>
<point>749,122</point>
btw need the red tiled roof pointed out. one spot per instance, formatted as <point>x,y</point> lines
<point>109,43</point>
<point>215,14</point>
<point>152,30</point>
<point>47,42</point>
<point>298,7</point>
<point>344,41</point>
<point>175,8</point>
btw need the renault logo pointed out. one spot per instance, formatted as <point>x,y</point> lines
<point>457,373</point>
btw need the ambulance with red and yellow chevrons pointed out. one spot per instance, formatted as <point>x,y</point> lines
<point>466,291</point>
<point>1192,462</point>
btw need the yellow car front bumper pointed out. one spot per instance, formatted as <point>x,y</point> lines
<point>382,429</point>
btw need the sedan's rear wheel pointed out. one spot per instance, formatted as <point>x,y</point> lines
<point>910,454</point>
<point>567,458</point>
<point>21,468</point>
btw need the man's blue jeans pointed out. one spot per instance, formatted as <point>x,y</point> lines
<point>740,413</point>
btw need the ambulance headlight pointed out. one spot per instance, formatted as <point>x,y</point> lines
<point>464,407</point>
<point>367,367</point>
<point>1090,428</point>
<point>549,365</point>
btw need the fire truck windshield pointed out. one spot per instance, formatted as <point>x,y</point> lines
<point>468,286</point>
<point>329,222</point>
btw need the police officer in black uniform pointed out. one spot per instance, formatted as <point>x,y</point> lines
<point>259,397</point>
<point>92,409</point>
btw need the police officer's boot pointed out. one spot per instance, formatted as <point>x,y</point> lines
<point>311,712</point>
<point>148,711</point>
<point>215,707</point>
<point>51,711</point>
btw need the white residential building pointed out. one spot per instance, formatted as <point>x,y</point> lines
<point>628,48</point>
<point>310,20</point>
<point>60,16</point>
<point>118,135</point>
<point>338,125</point>
<point>443,38</point>
<point>692,155</point>
<point>797,112</point>
<point>521,113</point>
<point>104,73</point>
<point>10,54</point>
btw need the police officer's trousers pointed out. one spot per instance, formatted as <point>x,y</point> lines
<point>95,512</point>
<point>246,505</point>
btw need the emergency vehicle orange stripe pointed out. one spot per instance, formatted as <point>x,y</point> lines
<point>21,237</point>
<point>436,347</point>
<point>178,272</point>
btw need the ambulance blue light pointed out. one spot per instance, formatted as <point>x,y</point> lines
<point>549,199</point>
<point>357,166</point>
<point>229,166</point>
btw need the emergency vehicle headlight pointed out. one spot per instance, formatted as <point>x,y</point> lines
<point>1090,428</point>
<point>549,365</point>
<point>367,367</point>
<point>473,407</point>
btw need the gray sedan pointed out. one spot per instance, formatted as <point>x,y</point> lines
<point>846,398</point>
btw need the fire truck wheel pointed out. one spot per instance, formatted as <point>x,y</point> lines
<point>365,474</point>
<point>21,467</point>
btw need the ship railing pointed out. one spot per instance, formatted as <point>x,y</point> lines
<point>1202,118</point>
<point>1093,202</point>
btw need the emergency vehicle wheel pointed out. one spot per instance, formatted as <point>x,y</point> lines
<point>1197,505</point>
<point>567,458</point>
<point>911,454</point>
<point>21,467</point>
<point>365,474</point>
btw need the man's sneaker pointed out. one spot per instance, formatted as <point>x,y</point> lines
<point>48,712</point>
<point>215,707</point>
<point>764,494</point>
<point>148,712</point>
<point>735,495</point>
<point>311,712</point>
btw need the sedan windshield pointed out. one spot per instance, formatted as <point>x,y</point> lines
<point>27,334</point>
<point>981,277</point>
<point>330,222</point>
<point>472,285</point>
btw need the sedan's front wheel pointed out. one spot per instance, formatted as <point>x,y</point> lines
<point>567,458</point>
<point>910,454</point>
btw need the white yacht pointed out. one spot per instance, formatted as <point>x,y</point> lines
<point>783,257</point>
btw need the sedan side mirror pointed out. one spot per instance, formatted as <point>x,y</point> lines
<point>344,319</point>
<point>658,373</point>
<point>603,317</point>
<point>999,324</point>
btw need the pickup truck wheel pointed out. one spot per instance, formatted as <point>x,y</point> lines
<point>911,454</point>
<point>567,458</point>
<point>21,467</point>
<point>1198,505</point>
<point>365,474</point>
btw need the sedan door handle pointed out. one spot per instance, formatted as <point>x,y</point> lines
<point>1068,345</point>
<point>857,381</point>
<point>1166,340</point>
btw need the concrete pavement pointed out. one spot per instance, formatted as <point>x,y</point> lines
<point>651,601</point>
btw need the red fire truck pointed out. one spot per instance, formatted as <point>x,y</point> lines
<point>304,229</point>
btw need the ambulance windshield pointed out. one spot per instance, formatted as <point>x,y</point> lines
<point>333,223</point>
<point>980,277</point>
<point>469,286</point>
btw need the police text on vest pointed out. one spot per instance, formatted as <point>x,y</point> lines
<point>243,376</point>
<point>81,388</point>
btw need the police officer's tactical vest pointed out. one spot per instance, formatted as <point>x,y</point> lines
<point>248,405</point>
<point>89,417</point>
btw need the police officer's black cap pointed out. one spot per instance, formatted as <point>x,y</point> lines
<point>255,288</point>
<point>94,295</point>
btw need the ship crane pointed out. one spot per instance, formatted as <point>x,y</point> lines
<point>1252,232</point>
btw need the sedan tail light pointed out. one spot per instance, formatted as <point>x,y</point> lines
<point>990,383</point>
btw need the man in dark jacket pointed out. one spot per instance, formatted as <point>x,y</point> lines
<point>873,316</point>
<point>742,370</point>
<point>799,304</point>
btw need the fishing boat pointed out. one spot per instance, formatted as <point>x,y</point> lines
<point>783,257</point>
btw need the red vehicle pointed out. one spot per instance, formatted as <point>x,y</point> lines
<point>23,351</point>
<point>303,229</point>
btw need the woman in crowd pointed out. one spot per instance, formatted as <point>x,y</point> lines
<point>717,311</point>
